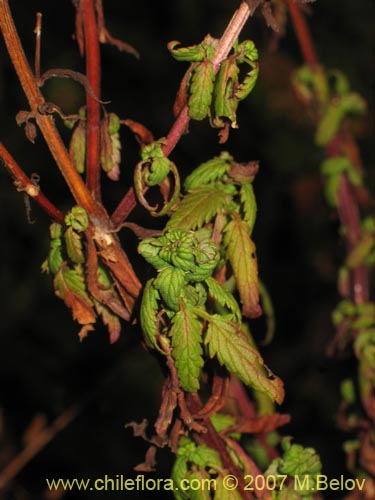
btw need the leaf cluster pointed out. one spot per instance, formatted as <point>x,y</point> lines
<point>216,96</point>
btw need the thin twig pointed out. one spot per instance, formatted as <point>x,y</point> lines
<point>232,32</point>
<point>25,184</point>
<point>38,33</point>
<point>45,123</point>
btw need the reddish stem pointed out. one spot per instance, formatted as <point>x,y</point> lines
<point>213,440</point>
<point>343,142</point>
<point>303,33</point>
<point>93,106</point>
<point>128,203</point>
<point>23,183</point>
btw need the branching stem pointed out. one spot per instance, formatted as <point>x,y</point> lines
<point>232,32</point>
<point>45,123</point>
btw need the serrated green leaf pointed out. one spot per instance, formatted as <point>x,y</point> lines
<point>169,282</point>
<point>298,460</point>
<point>249,204</point>
<point>149,248</point>
<point>77,218</point>
<point>223,297</point>
<point>244,89</point>
<point>70,287</point>
<point>201,88</point>
<point>246,51</point>
<point>240,250</point>
<point>186,348</point>
<point>209,171</point>
<point>77,147</point>
<point>158,171</point>
<point>75,281</point>
<point>149,313</point>
<point>194,53</point>
<point>55,259</point>
<point>205,457</point>
<point>73,245</point>
<point>198,207</point>
<point>233,349</point>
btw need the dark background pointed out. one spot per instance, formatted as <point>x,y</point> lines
<point>43,367</point>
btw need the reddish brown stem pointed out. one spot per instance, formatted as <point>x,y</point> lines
<point>212,439</point>
<point>128,203</point>
<point>92,53</point>
<point>23,183</point>
<point>303,33</point>
<point>45,123</point>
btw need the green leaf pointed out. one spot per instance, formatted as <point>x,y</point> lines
<point>224,493</point>
<point>73,246</point>
<point>209,171</point>
<point>194,53</point>
<point>201,87</point>
<point>110,146</point>
<point>54,260</point>
<point>169,282</point>
<point>149,248</point>
<point>299,460</point>
<point>223,297</point>
<point>70,287</point>
<point>244,89</point>
<point>225,103</point>
<point>233,349</point>
<point>240,251</point>
<point>249,204</point>
<point>178,474</point>
<point>205,457</point>
<point>329,124</point>
<point>78,219</point>
<point>199,477</point>
<point>247,52</point>
<point>187,349</point>
<point>198,207</point>
<point>221,421</point>
<point>352,103</point>
<point>149,314</point>
<point>77,146</point>
<point>158,171</point>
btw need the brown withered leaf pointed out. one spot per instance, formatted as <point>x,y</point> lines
<point>265,423</point>
<point>139,429</point>
<point>168,405</point>
<point>149,464</point>
<point>142,134</point>
<point>181,99</point>
<point>243,172</point>
<point>74,75</point>
<point>111,321</point>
